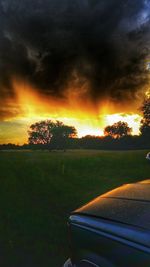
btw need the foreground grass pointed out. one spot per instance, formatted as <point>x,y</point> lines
<point>38,190</point>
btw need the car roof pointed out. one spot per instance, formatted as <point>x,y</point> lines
<point>128,204</point>
<point>145,181</point>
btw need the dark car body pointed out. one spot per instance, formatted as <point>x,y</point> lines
<point>113,230</point>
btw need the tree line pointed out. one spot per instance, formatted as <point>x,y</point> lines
<point>56,135</point>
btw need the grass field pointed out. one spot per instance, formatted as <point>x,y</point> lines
<point>38,190</point>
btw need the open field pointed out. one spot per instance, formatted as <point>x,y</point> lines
<point>39,189</point>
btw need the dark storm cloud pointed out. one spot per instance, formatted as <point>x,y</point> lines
<point>104,42</point>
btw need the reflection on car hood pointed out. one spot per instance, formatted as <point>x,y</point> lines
<point>128,204</point>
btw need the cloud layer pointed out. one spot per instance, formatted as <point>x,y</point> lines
<point>51,44</point>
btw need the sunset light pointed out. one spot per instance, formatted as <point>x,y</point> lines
<point>74,124</point>
<point>72,110</point>
<point>133,120</point>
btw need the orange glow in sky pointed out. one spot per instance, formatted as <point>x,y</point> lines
<point>73,110</point>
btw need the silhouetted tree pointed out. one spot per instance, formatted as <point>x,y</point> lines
<point>118,130</point>
<point>60,135</point>
<point>145,123</point>
<point>47,132</point>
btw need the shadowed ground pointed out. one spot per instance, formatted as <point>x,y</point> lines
<point>38,190</point>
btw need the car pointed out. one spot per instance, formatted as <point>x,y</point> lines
<point>148,156</point>
<point>113,230</point>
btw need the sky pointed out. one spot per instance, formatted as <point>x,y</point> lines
<point>77,61</point>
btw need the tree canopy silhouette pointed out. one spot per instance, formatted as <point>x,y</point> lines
<point>145,123</point>
<point>46,132</point>
<point>118,130</point>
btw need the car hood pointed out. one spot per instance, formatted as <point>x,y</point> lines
<point>128,204</point>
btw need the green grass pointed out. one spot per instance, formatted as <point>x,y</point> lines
<point>38,190</point>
